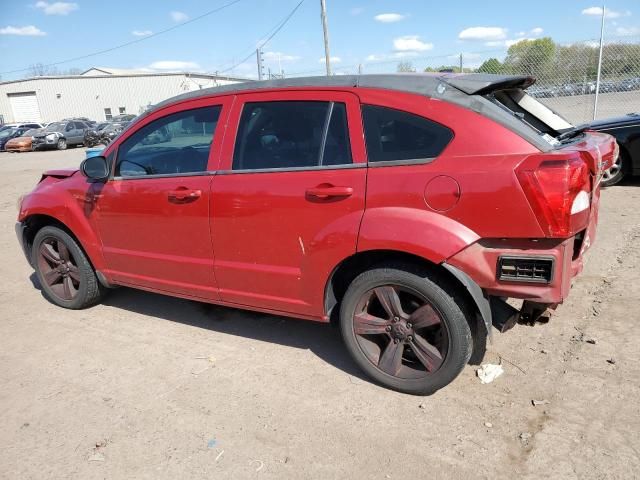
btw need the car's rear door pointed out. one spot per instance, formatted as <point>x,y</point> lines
<point>287,203</point>
<point>153,215</point>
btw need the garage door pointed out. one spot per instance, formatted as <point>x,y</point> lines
<point>24,106</point>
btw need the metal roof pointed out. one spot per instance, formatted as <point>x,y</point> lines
<point>128,75</point>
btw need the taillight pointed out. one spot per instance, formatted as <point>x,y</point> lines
<point>558,190</point>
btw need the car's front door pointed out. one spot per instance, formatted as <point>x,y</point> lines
<point>287,203</point>
<point>153,215</point>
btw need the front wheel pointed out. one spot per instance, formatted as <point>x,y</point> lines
<point>64,272</point>
<point>405,330</point>
<point>62,144</point>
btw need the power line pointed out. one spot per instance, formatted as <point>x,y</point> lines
<point>132,42</point>
<point>273,34</point>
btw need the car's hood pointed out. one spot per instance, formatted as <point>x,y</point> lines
<point>19,139</point>
<point>629,119</point>
<point>60,173</point>
<point>44,134</point>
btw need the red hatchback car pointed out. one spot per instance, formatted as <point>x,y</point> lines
<point>408,208</point>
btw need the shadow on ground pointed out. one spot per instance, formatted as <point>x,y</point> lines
<point>321,339</point>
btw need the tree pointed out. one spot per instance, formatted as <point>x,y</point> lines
<point>531,57</point>
<point>491,65</point>
<point>41,70</point>
<point>406,67</point>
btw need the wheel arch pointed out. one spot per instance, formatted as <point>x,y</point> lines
<point>349,268</point>
<point>34,222</point>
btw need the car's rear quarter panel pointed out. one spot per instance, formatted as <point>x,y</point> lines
<point>481,158</point>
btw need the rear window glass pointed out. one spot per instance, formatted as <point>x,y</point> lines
<point>530,111</point>
<point>394,135</point>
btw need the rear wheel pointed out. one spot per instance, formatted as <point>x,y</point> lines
<point>62,144</point>
<point>617,171</point>
<point>405,330</point>
<point>65,274</point>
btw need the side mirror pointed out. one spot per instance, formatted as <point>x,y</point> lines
<point>95,168</point>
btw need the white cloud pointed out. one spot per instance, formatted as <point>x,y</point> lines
<point>411,43</point>
<point>283,57</point>
<point>513,41</point>
<point>173,65</point>
<point>28,31</point>
<point>356,11</point>
<point>521,34</point>
<point>597,11</point>
<point>535,31</point>
<point>332,59</point>
<point>179,16</point>
<point>389,17</point>
<point>141,33</point>
<point>57,8</point>
<point>628,31</point>
<point>506,43</point>
<point>395,56</point>
<point>483,33</point>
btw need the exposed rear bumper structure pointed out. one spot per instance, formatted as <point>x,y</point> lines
<point>551,265</point>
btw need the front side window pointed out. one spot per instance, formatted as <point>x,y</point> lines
<point>394,135</point>
<point>176,144</point>
<point>292,134</point>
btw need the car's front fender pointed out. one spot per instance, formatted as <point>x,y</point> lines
<point>72,210</point>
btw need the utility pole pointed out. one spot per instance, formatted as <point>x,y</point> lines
<point>461,71</point>
<point>260,62</point>
<point>327,56</point>
<point>595,102</point>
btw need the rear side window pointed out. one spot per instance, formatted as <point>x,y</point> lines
<point>176,144</point>
<point>291,134</point>
<point>394,135</point>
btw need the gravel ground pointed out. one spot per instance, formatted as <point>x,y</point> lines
<point>146,386</point>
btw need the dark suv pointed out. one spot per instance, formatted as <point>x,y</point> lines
<point>60,135</point>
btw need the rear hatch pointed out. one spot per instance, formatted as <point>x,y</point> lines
<point>598,150</point>
<point>562,182</point>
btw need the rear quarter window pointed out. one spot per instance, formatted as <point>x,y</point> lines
<point>395,135</point>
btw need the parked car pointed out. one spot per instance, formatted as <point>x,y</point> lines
<point>92,134</point>
<point>626,130</point>
<point>629,84</point>
<point>23,143</point>
<point>20,125</point>
<point>60,135</point>
<point>364,199</point>
<point>125,117</point>
<point>111,131</point>
<point>7,134</point>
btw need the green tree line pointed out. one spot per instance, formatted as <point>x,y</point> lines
<point>551,62</point>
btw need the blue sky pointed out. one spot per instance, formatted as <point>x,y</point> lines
<point>377,33</point>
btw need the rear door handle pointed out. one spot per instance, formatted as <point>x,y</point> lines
<point>184,195</point>
<point>329,191</point>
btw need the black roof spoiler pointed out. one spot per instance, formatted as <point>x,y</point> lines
<point>483,83</point>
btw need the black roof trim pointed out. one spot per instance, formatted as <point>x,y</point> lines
<point>422,83</point>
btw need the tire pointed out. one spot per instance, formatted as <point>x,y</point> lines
<point>62,144</point>
<point>59,272</point>
<point>447,332</point>
<point>617,172</point>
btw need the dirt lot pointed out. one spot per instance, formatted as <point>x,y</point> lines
<point>147,386</point>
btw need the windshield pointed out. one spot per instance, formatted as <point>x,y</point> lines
<point>523,106</point>
<point>55,127</point>
<point>7,132</point>
<point>31,133</point>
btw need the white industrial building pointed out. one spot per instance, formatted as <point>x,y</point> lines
<point>98,93</point>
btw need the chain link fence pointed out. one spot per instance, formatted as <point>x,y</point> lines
<point>566,74</point>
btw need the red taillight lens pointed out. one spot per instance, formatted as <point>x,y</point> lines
<point>552,186</point>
